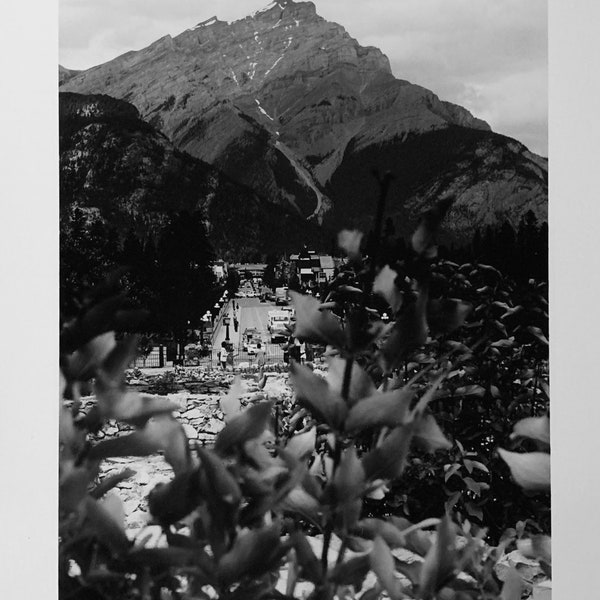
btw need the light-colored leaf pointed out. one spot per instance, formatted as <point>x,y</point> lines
<point>384,286</point>
<point>83,362</point>
<point>302,445</point>
<point>429,436</point>
<point>535,428</point>
<point>161,432</point>
<point>513,585</point>
<point>349,477</point>
<point>361,385</point>
<point>382,564</point>
<point>388,408</point>
<point>531,470</point>
<point>230,403</point>
<point>440,561</point>
<point>349,241</point>
<point>113,505</point>
<point>313,324</point>
<point>315,393</point>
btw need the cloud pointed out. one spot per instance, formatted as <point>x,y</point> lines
<point>487,55</point>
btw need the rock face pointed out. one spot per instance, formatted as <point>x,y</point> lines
<point>115,164</point>
<point>286,102</point>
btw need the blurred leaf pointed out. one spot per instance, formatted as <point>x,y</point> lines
<point>160,433</point>
<point>411,570</point>
<point>311,566</point>
<point>440,561</point>
<point>315,393</point>
<point>422,241</point>
<point>538,547</point>
<point>253,553</point>
<point>370,528</point>
<point>172,501</point>
<point>429,436</point>
<point>222,483</point>
<point>387,461</point>
<point>83,363</point>
<point>352,572</point>
<point>446,315</point>
<point>429,395</point>
<point>530,470</point>
<point>349,241</point>
<point>388,408</point>
<point>361,384</point>
<point>384,285</point>
<point>349,483</point>
<point>230,404</point>
<point>470,390</point>
<point>535,428</point>
<point>105,526</point>
<point>243,427</point>
<point>110,482</point>
<point>300,501</point>
<point>474,464</point>
<point>302,445</point>
<point>112,504</point>
<point>313,324</point>
<point>382,564</point>
<point>408,333</point>
<point>74,482</point>
<point>513,585</point>
<point>538,334</point>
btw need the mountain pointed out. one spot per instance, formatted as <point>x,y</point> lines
<point>117,167</point>
<point>291,106</point>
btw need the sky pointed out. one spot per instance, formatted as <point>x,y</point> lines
<point>489,56</point>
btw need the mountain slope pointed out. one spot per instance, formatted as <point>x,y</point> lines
<point>286,102</point>
<point>116,165</point>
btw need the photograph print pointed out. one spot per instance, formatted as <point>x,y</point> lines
<point>304,300</point>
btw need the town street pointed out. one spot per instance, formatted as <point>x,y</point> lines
<point>252,313</point>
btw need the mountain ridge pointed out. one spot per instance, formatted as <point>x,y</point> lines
<point>281,100</point>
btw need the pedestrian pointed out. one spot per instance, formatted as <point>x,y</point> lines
<point>260,356</point>
<point>229,358</point>
<point>223,356</point>
<point>302,352</point>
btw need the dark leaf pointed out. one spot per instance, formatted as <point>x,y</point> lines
<point>254,552</point>
<point>222,483</point>
<point>387,461</point>
<point>310,564</point>
<point>110,482</point>
<point>243,427</point>
<point>172,501</point>
<point>352,572</point>
<point>446,315</point>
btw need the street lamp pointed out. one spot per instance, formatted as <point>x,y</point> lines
<point>226,321</point>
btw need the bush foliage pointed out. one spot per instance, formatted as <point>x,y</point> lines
<point>406,425</point>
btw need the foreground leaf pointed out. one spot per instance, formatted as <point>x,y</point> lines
<point>384,285</point>
<point>440,561</point>
<point>315,393</point>
<point>243,427</point>
<point>253,553</point>
<point>387,461</point>
<point>429,436</point>
<point>530,470</point>
<point>389,409</point>
<point>361,385</point>
<point>534,428</point>
<point>382,564</point>
<point>313,324</point>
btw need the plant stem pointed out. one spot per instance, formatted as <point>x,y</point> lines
<point>337,455</point>
<point>384,185</point>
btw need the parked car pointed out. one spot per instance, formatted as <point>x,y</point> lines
<point>250,339</point>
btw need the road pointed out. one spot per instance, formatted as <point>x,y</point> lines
<point>252,313</point>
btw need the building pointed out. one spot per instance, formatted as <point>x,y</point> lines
<point>255,270</point>
<point>219,268</point>
<point>311,267</point>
